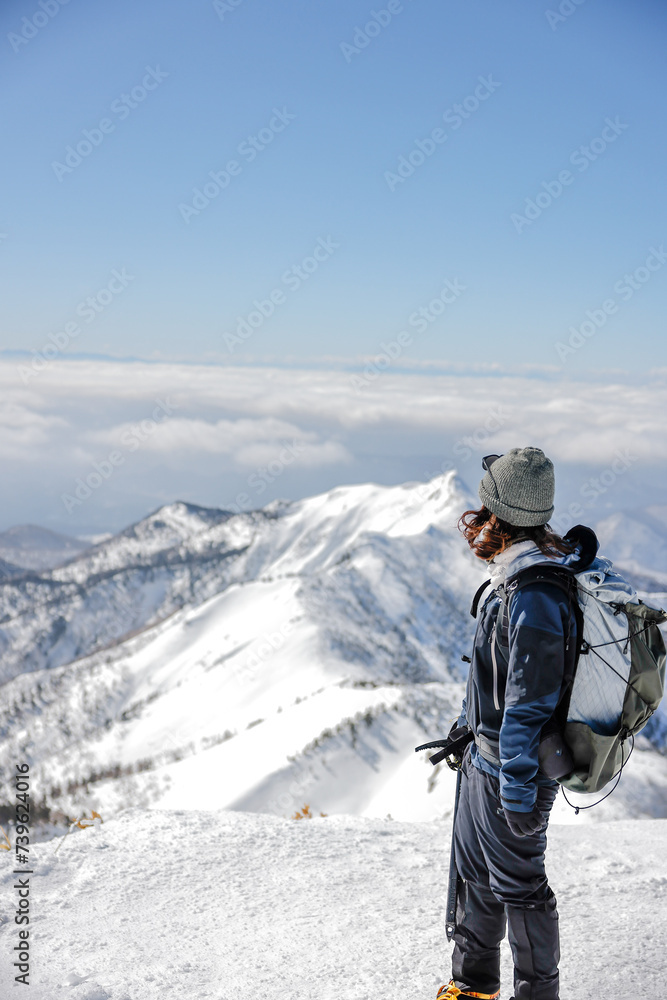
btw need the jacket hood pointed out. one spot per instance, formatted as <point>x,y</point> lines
<point>525,553</point>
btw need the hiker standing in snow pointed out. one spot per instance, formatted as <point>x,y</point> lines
<point>524,650</point>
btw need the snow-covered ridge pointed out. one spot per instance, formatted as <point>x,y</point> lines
<point>182,554</point>
<point>164,533</point>
<point>175,557</point>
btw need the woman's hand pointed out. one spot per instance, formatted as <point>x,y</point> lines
<point>524,824</point>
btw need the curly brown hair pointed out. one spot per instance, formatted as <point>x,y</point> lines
<point>488,535</point>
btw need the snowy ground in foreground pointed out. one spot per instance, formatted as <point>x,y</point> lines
<point>244,905</point>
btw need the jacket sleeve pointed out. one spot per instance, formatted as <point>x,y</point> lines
<point>462,719</point>
<point>534,677</point>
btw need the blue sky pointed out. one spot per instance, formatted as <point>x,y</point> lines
<point>424,211</point>
<point>323,178</point>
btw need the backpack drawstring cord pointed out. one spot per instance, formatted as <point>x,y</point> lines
<point>626,680</point>
<point>618,775</point>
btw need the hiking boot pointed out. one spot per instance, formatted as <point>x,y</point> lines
<point>450,992</point>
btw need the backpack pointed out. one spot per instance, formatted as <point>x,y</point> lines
<point>619,674</point>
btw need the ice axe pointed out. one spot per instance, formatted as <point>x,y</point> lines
<point>451,750</point>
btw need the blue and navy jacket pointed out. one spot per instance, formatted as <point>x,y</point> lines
<point>518,669</point>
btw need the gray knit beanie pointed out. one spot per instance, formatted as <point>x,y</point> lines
<point>519,488</point>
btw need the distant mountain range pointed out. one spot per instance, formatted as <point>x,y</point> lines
<point>636,541</point>
<point>263,660</point>
<point>30,547</point>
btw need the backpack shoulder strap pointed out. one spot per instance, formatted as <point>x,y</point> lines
<point>476,599</point>
<point>561,577</point>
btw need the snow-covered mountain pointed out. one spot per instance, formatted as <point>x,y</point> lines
<point>302,617</point>
<point>33,548</point>
<point>257,661</point>
<point>174,557</point>
<point>636,540</point>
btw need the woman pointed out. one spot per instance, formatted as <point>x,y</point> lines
<point>524,648</point>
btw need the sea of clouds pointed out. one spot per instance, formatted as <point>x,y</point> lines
<point>129,436</point>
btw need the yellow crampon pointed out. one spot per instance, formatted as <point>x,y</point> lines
<point>451,992</point>
<point>86,821</point>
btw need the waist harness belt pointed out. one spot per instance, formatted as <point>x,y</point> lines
<point>489,749</point>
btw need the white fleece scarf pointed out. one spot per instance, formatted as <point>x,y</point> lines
<point>499,565</point>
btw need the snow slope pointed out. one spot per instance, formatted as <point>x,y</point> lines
<point>235,906</point>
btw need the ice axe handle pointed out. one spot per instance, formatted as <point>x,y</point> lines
<point>455,880</point>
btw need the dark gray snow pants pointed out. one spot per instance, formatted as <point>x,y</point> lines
<point>505,888</point>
